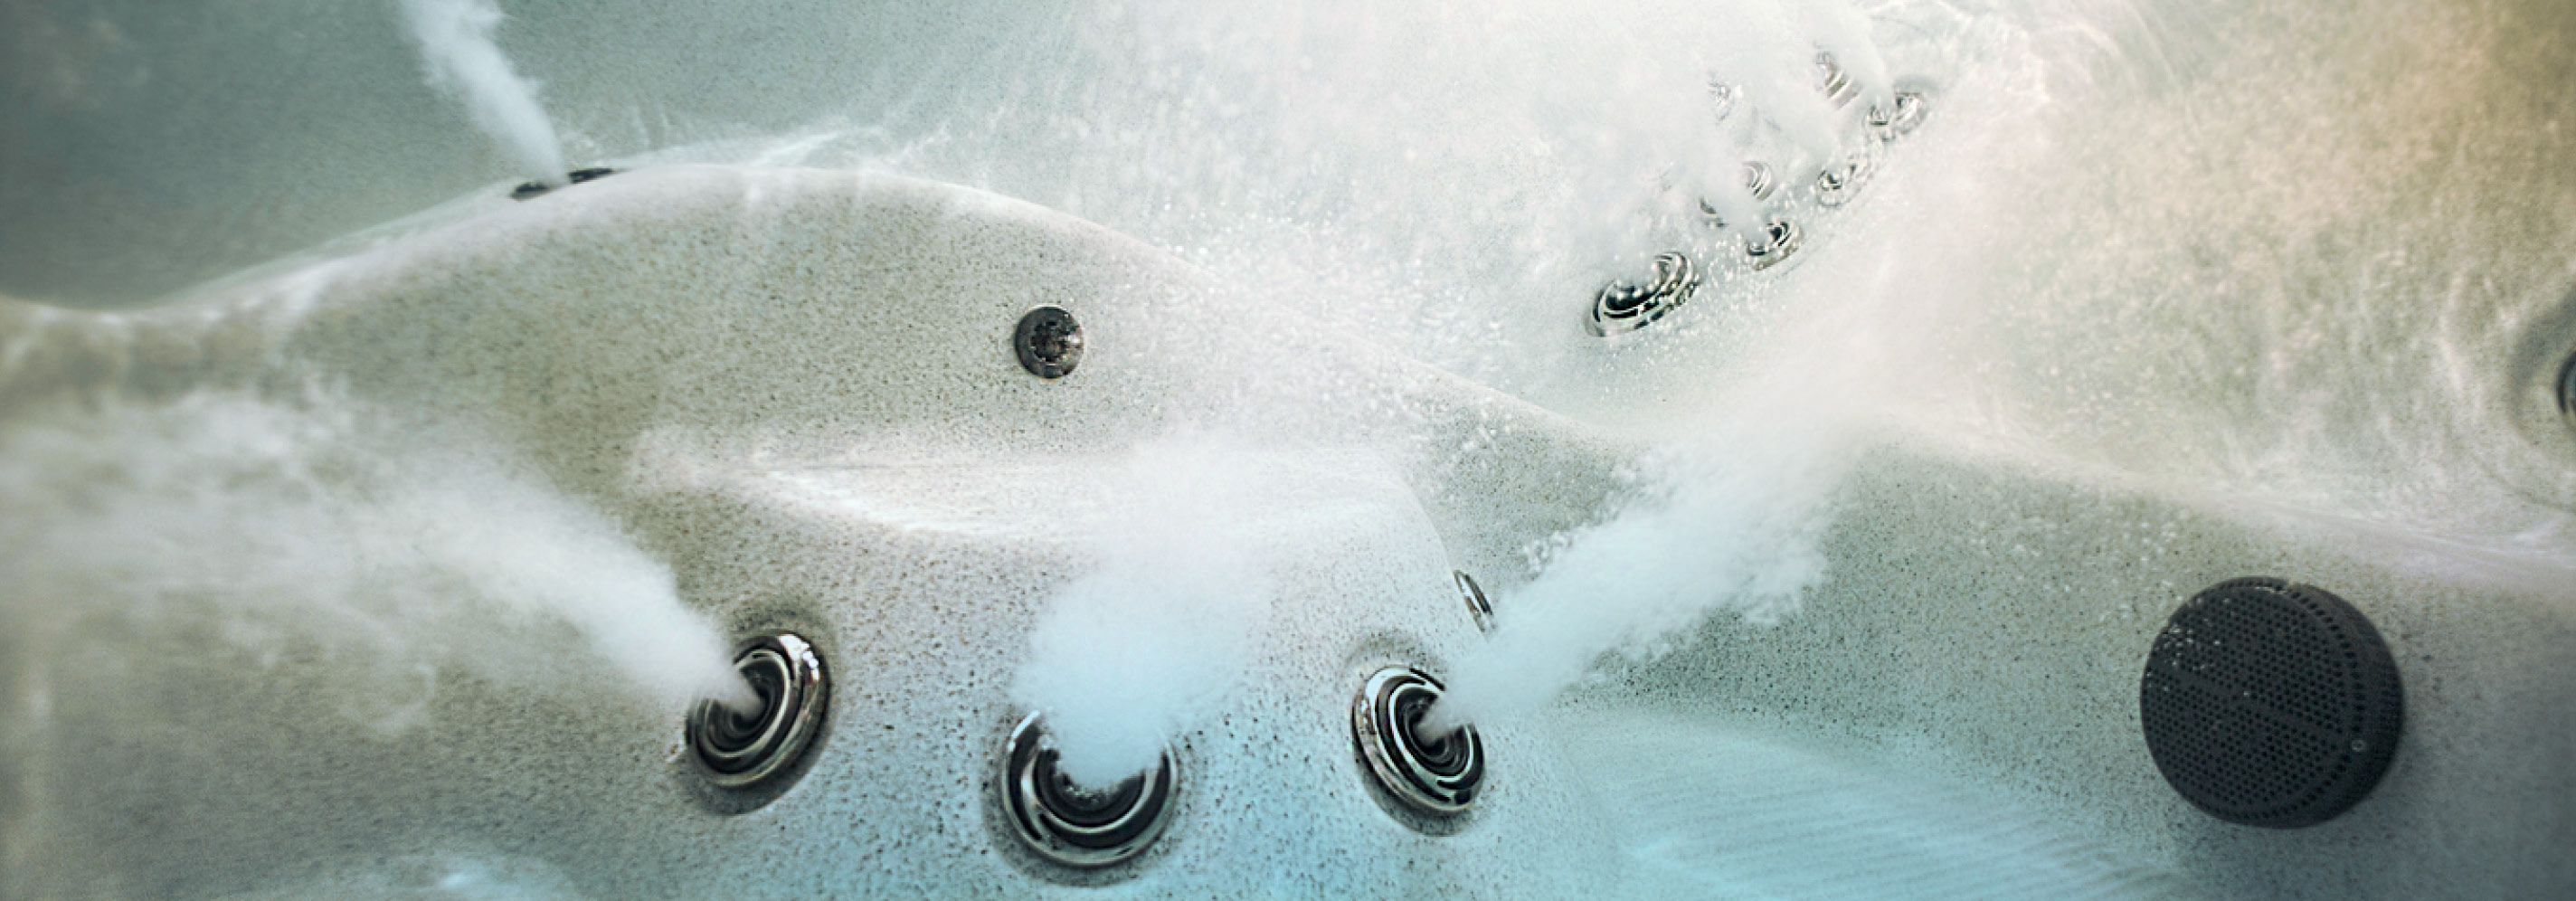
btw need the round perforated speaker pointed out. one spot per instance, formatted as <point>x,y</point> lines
<point>2271,704</point>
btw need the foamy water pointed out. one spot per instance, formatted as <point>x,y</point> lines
<point>2120,257</point>
<point>459,56</point>
<point>2105,255</point>
<point>1143,647</point>
<point>1728,523</point>
<point>396,552</point>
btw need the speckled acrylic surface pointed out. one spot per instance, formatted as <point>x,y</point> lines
<point>796,388</point>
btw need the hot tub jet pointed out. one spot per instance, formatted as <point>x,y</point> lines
<point>738,749</point>
<point>1075,825</point>
<point>1435,776</point>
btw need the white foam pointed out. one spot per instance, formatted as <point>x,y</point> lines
<point>1127,655</point>
<point>1726,523</point>
<point>1842,30</point>
<point>399,553</point>
<point>458,56</point>
<point>1184,548</point>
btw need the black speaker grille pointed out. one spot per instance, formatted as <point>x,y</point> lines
<point>2271,704</point>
